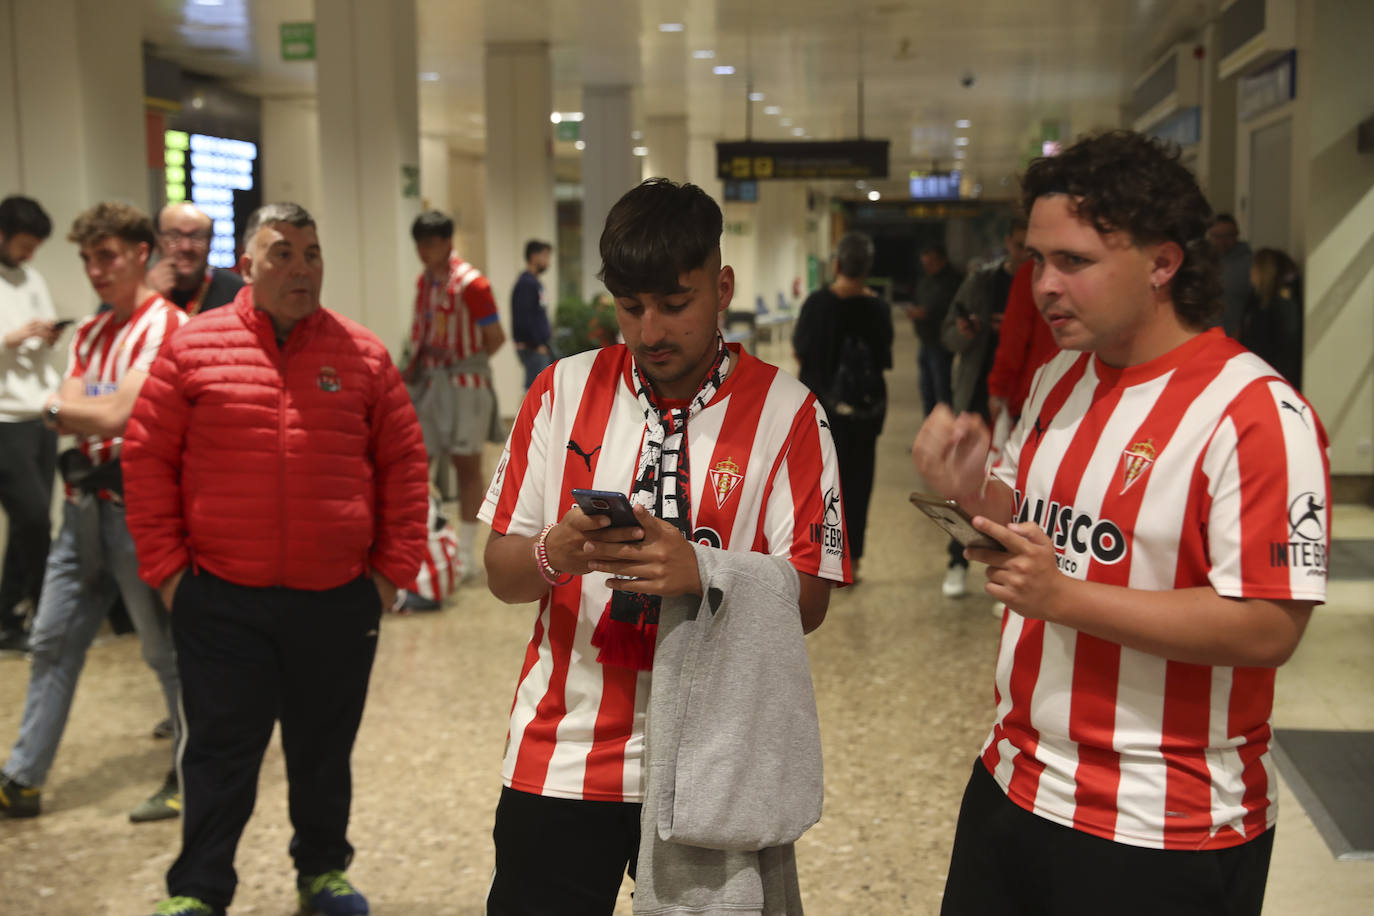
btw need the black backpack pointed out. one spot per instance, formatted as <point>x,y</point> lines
<point>856,390</point>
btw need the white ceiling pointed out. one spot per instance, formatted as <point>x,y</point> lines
<point>1068,61</point>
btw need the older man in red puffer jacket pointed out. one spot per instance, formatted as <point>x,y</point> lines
<point>275,477</point>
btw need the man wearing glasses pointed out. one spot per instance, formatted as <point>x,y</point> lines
<point>183,273</point>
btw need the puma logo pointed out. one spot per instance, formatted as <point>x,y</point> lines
<point>1300,411</point>
<point>585,456</point>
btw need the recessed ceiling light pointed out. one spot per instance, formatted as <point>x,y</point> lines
<point>874,195</point>
<point>670,27</point>
<point>786,122</point>
<point>429,76</point>
<point>558,117</point>
<point>636,135</point>
<point>723,70</point>
<point>959,154</point>
<point>963,123</point>
<point>772,109</point>
<point>703,54</point>
<point>961,141</point>
<point>209,2</point>
<point>798,131</point>
<point>579,144</point>
<point>756,96</point>
<point>641,151</point>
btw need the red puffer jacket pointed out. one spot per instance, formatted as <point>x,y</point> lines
<point>303,468</point>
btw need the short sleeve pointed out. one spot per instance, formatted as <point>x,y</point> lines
<point>1267,476</point>
<point>514,503</point>
<point>804,517</point>
<point>479,301</point>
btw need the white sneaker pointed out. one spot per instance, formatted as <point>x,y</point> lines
<point>956,582</point>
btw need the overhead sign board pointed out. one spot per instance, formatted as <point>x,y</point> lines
<point>805,159</point>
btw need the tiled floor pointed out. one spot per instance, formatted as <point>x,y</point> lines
<point>903,682</point>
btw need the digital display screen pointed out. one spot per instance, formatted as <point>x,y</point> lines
<point>207,171</point>
<point>935,185</point>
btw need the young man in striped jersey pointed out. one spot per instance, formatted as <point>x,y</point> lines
<point>93,558</point>
<point>716,447</point>
<point>454,334</point>
<point>1163,502</point>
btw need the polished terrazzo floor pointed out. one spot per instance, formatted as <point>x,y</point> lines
<point>903,680</point>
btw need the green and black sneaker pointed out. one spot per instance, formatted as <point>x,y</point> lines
<point>330,894</point>
<point>163,804</point>
<point>184,906</point>
<point>17,799</point>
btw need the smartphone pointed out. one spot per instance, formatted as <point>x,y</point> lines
<point>956,522</point>
<point>62,325</point>
<point>609,503</point>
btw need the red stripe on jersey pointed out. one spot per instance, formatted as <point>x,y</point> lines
<point>1252,692</point>
<point>734,445</point>
<point>541,734</point>
<point>1026,770</point>
<point>1263,491</point>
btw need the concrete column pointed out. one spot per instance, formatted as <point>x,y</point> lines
<point>71,121</point>
<point>290,154</point>
<point>1216,166</point>
<point>609,169</point>
<point>701,165</point>
<point>666,138</point>
<point>519,185</point>
<point>369,140</point>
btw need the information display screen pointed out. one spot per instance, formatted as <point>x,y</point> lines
<point>935,185</point>
<point>208,171</point>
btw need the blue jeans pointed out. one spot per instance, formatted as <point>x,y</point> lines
<point>535,363</point>
<point>69,616</point>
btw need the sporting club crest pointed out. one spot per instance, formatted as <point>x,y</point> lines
<point>1138,459</point>
<point>725,477</point>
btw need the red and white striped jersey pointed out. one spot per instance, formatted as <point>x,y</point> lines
<point>104,350</point>
<point>763,477</point>
<point>1202,468</point>
<point>449,318</point>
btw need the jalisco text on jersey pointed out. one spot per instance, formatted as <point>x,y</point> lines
<point>1075,529</point>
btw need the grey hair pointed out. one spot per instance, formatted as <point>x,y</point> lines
<point>281,212</point>
<point>854,255</point>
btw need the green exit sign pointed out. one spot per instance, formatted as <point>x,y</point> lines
<point>298,41</point>
<point>568,130</point>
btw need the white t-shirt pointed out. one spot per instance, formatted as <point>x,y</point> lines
<point>764,478</point>
<point>28,373</point>
<point>1202,468</point>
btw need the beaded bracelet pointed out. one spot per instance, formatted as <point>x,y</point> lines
<point>541,559</point>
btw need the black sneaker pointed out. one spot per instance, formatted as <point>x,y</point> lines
<point>164,729</point>
<point>17,799</point>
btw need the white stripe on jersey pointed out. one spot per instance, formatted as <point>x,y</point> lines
<point>564,437</point>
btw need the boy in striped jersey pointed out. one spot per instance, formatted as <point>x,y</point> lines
<point>717,447</point>
<point>93,558</point>
<point>1163,504</point>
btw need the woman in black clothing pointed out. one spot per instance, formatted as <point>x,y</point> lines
<point>843,342</point>
<point>1272,324</point>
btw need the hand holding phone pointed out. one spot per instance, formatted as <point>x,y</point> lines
<point>614,505</point>
<point>955,521</point>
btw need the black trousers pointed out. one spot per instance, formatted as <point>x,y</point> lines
<point>1010,862</point>
<point>561,856</point>
<point>248,656</point>
<point>856,453</point>
<point>28,463</point>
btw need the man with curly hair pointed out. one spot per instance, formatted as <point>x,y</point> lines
<point>1159,564</point>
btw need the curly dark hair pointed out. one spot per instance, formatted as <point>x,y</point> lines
<point>1124,181</point>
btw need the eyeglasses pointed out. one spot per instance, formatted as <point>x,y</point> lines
<point>173,237</point>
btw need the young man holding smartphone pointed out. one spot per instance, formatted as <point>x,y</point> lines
<point>1163,504</point>
<point>715,447</point>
